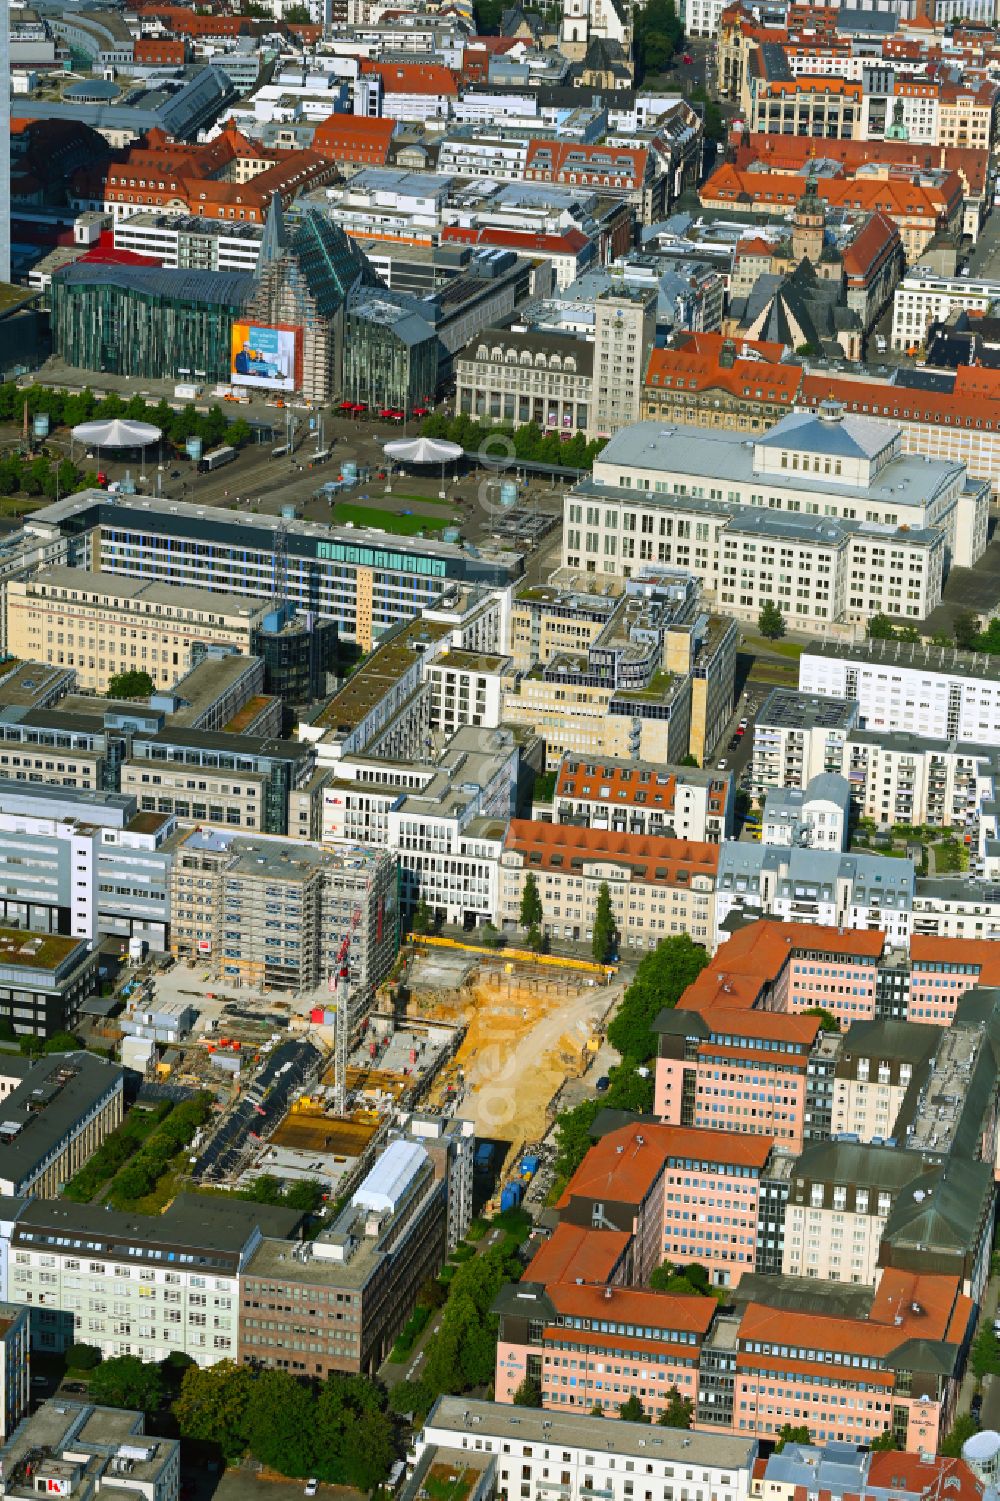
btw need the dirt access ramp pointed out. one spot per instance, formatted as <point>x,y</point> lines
<point>528,1029</point>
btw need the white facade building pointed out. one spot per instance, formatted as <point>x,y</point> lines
<point>814,886</point>
<point>824,515</point>
<point>590,1454</point>
<point>923,297</point>
<point>916,690</point>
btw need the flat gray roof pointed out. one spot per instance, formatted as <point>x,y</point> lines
<point>787,708</point>
<point>719,454</point>
<point>109,586</point>
<point>599,1435</point>
<point>945,659</point>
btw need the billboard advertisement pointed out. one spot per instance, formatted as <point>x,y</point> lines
<point>263,357</point>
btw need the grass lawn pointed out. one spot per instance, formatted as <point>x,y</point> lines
<point>389,521</point>
<point>950,857</point>
<point>14,505</point>
<point>134,1129</point>
<point>430,500</point>
<point>791,649</point>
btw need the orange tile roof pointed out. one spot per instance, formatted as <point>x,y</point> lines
<point>620,784</point>
<point>696,341</point>
<point>633,1306</point>
<point>705,1145</point>
<point>573,1251</point>
<point>791,152</point>
<point>625,1166</point>
<point>905,1306</point>
<point>432,79</point>
<point>676,369</point>
<point>978,951</point>
<point>355,138</point>
<point>556,158</point>
<point>899,1471</point>
<point>878,238</point>
<point>900,199</point>
<point>810,84</point>
<point>741,971</point>
<point>651,857</point>
<point>903,403</point>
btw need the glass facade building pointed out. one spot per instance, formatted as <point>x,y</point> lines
<point>391,355</point>
<point>150,324</point>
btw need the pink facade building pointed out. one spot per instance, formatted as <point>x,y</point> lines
<point>590,1346</point>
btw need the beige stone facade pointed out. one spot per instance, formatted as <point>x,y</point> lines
<point>102,625</point>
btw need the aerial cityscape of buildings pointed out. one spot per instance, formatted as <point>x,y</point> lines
<point>500,749</point>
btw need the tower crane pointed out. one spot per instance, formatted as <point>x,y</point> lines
<point>340,984</point>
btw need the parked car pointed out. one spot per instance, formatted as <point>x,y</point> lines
<point>602,1084</point>
<point>312,1486</point>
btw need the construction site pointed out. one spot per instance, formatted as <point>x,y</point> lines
<point>492,1037</point>
<point>526,1028</point>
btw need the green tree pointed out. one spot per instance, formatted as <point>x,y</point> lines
<point>529,1393</point>
<point>306,1194</point>
<point>573,1138</point>
<point>61,1042</point>
<point>433,1294</point>
<point>354,1436</point>
<point>985,1353</point>
<point>536,939</point>
<point>691,1281</point>
<point>770,621</point>
<point>881,628</point>
<point>827,1021</point>
<point>82,1357</point>
<point>688,760</point>
<point>597,1411</point>
<point>957,1436</point>
<point>126,1381</point>
<point>421,917</point>
<point>412,1397</point>
<point>131,684</point>
<point>632,1411</point>
<point>966,628</point>
<point>214,1405</point>
<point>280,1423</point>
<point>531,902</point>
<point>660,980</point>
<point>603,941</point>
<point>791,1434</point>
<point>885,1441</point>
<point>678,1412</point>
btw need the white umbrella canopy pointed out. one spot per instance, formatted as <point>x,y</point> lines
<point>118,433</point>
<point>423,451</point>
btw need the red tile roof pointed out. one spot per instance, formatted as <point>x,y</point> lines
<point>619,786</point>
<point>905,404</point>
<point>432,79</point>
<point>651,857</point>
<point>575,1251</point>
<point>354,138</point>
<point>623,1305</point>
<point>570,242</point>
<point>898,1471</point>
